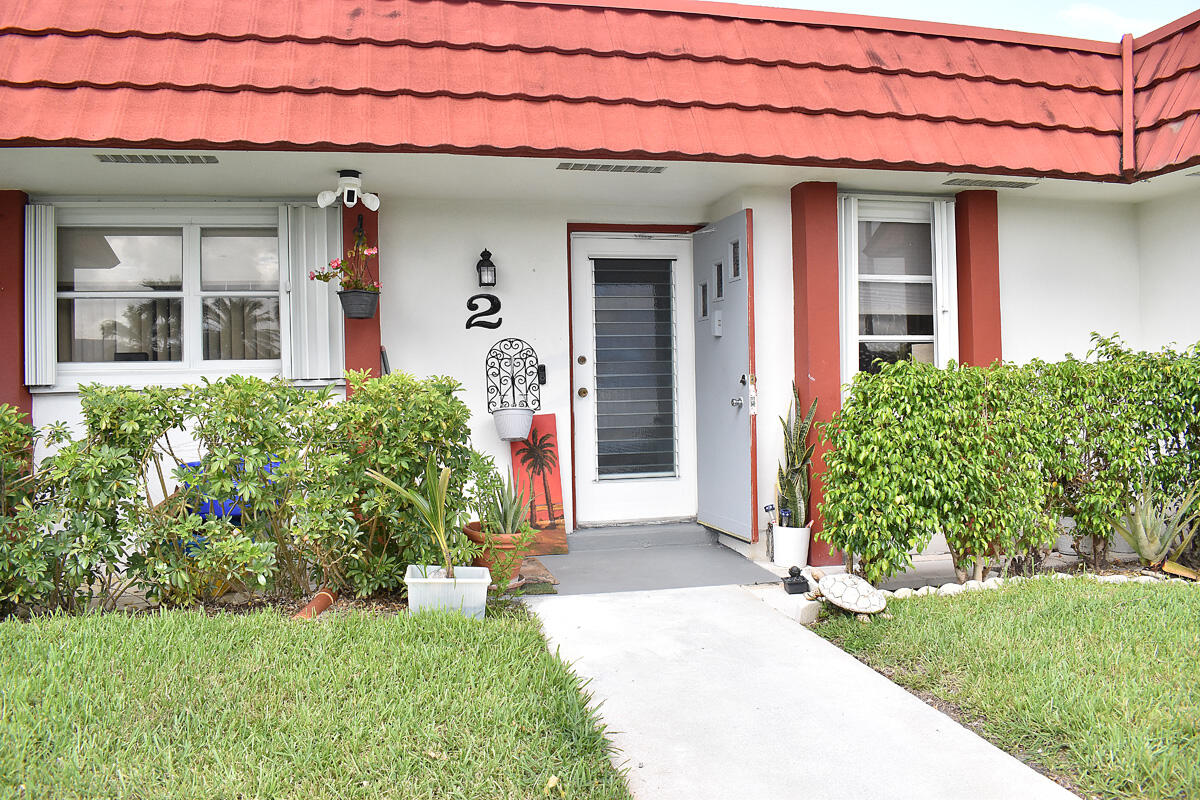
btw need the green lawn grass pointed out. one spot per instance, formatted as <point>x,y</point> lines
<point>184,705</point>
<point>1096,682</point>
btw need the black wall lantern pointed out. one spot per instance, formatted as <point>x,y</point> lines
<point>486,269</point>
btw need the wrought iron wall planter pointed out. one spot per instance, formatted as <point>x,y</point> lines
<point>513,389</point>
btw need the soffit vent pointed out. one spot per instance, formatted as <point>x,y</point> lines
<point>990,183</point>
<point>155,158</point>
<point>640,169</point>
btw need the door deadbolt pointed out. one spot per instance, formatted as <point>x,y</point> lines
<point>582,359</point>
<point>582,392</point>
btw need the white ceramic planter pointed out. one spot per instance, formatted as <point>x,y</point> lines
<point>790,546</point>
<point>513,423</point>
<point>465,593</point>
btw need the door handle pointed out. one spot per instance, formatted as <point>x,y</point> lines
<point>736,402</point>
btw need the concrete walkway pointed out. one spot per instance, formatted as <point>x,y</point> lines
<point>710,693</point>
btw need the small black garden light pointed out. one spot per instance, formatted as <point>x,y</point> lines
<point>486,269</point>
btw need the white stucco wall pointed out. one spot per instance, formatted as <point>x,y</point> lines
<point>428,251</point>
<point>1169,243</point>
<point>1066,269</point>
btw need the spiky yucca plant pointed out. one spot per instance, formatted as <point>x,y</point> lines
<point>791,481</point>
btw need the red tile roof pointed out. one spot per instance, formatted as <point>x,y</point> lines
<point>701,81</point>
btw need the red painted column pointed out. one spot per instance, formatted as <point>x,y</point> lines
<point>12,301</point>
<point>818,348</point>
<point>976,233</point>
<point>362,335</point>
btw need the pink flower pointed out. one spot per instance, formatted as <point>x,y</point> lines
<point>312,275</point>
<point>371,251</point>
<point>336,263</point>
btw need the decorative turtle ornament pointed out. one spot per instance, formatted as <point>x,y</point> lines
<point>851,593</point>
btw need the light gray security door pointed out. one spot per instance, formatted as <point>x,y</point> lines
<point>725,394</point>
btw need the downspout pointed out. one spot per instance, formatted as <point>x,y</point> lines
<point>1128,151</point>
<point>320,602</point>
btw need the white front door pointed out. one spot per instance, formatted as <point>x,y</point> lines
<point>634,377</point>
<point>725,385</point>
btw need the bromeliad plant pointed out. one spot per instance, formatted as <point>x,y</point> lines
<point>791,482</point>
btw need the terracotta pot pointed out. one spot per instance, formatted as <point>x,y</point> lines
<point>502,541</point>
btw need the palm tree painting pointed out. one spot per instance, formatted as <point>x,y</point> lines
<point>536,464</point>
<point>539,455</point>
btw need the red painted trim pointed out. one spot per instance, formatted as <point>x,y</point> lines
<point>833,19</point>
<point>753,374</point>
<point>362,336</point>
<point>1128,149</point>
<point>977,244</point>
<point>1166,31</point>
<point>12,301</point>
<point>818,346</point>
<point>595,227</point>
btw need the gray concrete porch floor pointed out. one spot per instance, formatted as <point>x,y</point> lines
<point>710,693</point>
<point>641,557</point>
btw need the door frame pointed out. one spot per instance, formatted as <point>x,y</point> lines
<point>597,227</point>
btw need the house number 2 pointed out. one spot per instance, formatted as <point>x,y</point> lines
<point>477,320</point>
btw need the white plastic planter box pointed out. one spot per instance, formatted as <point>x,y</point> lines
<point>790,546</point>
<point>513,423</point>
<point>466,592</point>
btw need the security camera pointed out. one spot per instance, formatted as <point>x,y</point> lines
<point>349,188</point>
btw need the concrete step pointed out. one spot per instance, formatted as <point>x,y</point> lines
<point>793,606</point>
<point>629,537</point>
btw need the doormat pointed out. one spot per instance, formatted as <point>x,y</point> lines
<point>534,571</point>
<point>535,464</point>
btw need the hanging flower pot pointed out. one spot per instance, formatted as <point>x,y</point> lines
<point>359,291</point>
<point>513,388</point>
<point>359,303</point>
<point>513,424</point>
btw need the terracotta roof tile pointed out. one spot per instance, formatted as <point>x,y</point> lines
<point>552,78</point>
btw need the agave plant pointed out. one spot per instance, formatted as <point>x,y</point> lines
<point>1151,528</point>
<point>430,505</point>
<point>504,511</point>
<point>791,486</point>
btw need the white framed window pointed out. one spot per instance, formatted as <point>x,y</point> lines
<point>898,282</point>
<point>134,293</point>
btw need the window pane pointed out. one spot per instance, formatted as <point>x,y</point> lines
<point>241,328</point>
<point>120,330</point>
<point>895,309</point>
<point>895,248</point>
<point>239,259</point>
<point>891,352</point>
<point>635,367</point>
<point>120,259</point>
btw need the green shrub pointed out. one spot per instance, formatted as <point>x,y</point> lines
<point>916,450</point>
<point>113,509</point>
<point>993,456</point>
<point>391,425</point>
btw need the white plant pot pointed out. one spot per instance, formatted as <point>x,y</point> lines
<point>513,423</point>
<point>790,546</point>
<point>465,593</point>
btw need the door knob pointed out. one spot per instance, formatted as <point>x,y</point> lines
<point>736,402</point>
<point>582,392</point>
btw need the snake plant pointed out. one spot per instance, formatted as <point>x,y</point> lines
<point>791,487</point>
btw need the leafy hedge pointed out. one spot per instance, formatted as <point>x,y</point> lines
<point>993,456</point>
<point>113,509</point>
